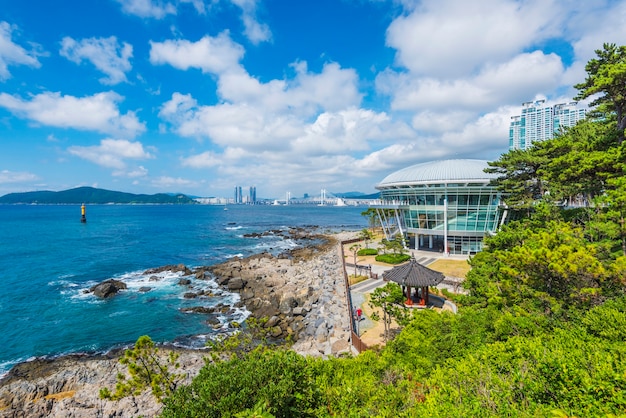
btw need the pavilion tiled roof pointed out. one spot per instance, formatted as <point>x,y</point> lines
<point>413,274</point>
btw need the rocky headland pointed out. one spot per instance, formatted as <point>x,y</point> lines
<point>301,293</point>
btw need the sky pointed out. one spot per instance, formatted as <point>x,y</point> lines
<point>200,96</point>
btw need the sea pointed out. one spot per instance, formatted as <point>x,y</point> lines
<point>49,260</point>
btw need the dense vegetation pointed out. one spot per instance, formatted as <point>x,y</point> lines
<point>91,195</point>
<point>541,332</point>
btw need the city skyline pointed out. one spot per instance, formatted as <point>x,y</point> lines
<point>195,96</point>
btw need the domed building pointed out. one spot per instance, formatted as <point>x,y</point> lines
<point>447,206</point>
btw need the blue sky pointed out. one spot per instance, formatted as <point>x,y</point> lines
<point>199,96</point>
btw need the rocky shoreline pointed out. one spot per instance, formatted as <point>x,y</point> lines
<point>301,292</point>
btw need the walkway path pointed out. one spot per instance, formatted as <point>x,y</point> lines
<point>371,331</point>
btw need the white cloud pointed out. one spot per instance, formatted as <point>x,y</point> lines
<point>106,54</point>
<point>112,153</point>
<point>7,176</point>
<point>210,54</point>
<point>137,172</point>
<point>197,4</point>
<point>92,113</point>
<point>456,38</point>
<point>206,159</point>
<point>13,54</point>
<point>254,30</point>
<point>148,8</point>
<point>341,132</point>
<point>167,182</point>
<point>511,81</point>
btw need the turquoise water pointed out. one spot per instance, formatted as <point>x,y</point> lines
<point>48,258</point>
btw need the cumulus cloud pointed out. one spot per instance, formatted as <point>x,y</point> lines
<point>98,113</point>
<point>167,182</point>
<point>254,30</point>
<point>213,55</point>
<point>7,176</point>
<point>263,115</point>
<point>206,159</point>
<point>14,54</point>
<point>455,38</point>
<point>106,54</point>
<point>148,8</point>
<point>112,153</point>
<point>133,173</point>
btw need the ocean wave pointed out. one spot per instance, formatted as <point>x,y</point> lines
<point>229,256</point>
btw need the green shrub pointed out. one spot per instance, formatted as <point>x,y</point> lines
<point>367,251</point>
<point>392,258</point>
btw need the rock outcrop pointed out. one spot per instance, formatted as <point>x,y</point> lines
<point>107,288</point>
<point>301,293</point>
<point>69,387</point>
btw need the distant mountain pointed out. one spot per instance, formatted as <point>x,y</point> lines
<point>93,196</point>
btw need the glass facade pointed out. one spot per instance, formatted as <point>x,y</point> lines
<point>435,213</point>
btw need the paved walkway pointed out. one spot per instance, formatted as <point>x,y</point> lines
<point>359,291</point>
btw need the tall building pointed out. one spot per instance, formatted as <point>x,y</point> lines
<point>539,122</point>
<point>238,195</point>
<point>252,199</point>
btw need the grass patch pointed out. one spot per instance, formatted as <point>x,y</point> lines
<point>352,279</point>
<point>452,268</point>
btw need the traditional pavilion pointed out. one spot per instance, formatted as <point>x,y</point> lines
<point>413,275</point>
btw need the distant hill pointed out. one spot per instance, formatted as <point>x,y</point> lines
<point>93,196</point>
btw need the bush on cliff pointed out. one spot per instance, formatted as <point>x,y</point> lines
<point>147,369</point>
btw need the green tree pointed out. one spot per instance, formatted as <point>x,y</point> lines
<point>147,369</point>
<point>366,235</point>
<point>266,381</point>
<point>518,178</point>
<point>390,299</point>
<point>372,217</point>
<point>606,76</point>
<point>354,249</point>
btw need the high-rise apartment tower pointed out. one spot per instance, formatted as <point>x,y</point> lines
<point>539,122</point>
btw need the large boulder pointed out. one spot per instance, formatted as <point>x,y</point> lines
<point>108,288</point>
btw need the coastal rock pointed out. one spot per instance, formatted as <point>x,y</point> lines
<point>236,283</point>
<point>107,288</point>
<point>301,291</point>
<point>174,268</point>
<point>69,387</point>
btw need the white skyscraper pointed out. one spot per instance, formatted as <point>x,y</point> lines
<point>539,122</point>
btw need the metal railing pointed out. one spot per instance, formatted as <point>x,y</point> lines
<point>355,339</point>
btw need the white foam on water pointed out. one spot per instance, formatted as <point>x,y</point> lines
<point>229,256</point>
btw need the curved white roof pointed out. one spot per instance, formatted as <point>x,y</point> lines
<point>445,171</point>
